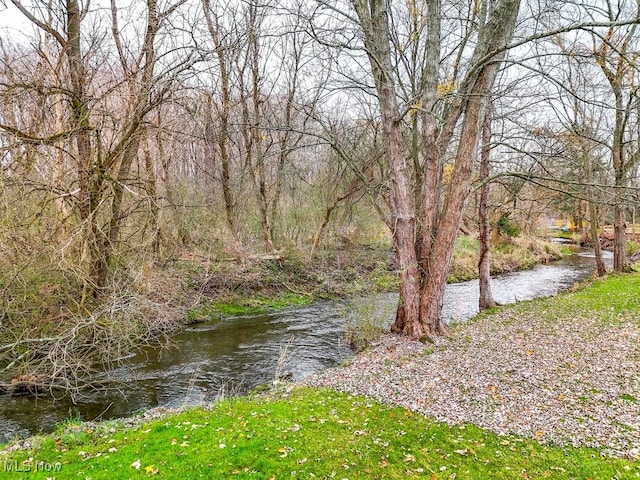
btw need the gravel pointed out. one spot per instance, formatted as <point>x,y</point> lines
<point>575,382</point>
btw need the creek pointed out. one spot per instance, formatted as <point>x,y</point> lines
<point>233,355</point>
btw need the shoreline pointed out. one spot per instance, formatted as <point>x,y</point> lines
<point>523,378</point>
<point>569,381</point>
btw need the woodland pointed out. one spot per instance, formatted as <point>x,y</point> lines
<point>146,145</point>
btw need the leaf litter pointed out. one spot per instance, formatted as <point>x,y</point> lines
<point>574,382</point>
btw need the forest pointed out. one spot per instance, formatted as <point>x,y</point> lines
<point>147,148</point>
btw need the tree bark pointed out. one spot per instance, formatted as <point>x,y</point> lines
<point>425,262</point>
<point>91,171</point>
<point>593,221</point>
<point>486,299</point>
<point>616,72</point>
<point>223,135</point>
<point>619,240</point>
<point>258,139</point>
<point>494,34</point>
<point>375,23</point>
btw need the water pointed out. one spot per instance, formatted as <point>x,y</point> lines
<point>237,354</point>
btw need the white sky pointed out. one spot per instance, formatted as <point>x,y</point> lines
<point>12,22</point>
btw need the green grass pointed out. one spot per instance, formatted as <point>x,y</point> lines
<point>617,296</point>
<point>245,306</point>
<point>307,434</point>
<point>613,301</point>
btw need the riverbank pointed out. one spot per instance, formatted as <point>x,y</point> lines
<point>54,351</point>
<point>230,289</point>
<point>560,372</point>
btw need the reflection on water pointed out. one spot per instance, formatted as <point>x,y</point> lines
<point>237,354</point>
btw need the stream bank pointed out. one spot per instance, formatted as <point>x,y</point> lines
<point>561,370</point>
<point>236,354</point>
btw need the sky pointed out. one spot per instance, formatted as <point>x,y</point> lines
<point>12,22</point>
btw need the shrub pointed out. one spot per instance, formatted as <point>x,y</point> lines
<point>508,227</point>
<point>366,321</point>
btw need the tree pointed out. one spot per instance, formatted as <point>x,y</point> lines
<point>101,146</point>
<point>612,54</point>
<point>423,227</point>
<point>485,299</point>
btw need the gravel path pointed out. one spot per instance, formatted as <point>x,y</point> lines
<point>574,382</point>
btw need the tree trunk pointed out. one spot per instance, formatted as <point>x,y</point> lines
<point>422,289</point>
<point>619,240</point>
<point>258,139</point>
<point>434,285</point>
<point>318,235</point>
<point>486,299</point>
<point>223,135</point>
<point>593,221</point>
<point>154,210</point>
<point>374,19</point>
<point>90,168</point>
<point>495,33</point>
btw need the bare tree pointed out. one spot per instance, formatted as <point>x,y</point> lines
<point>424,224</point>
<point>612,56</point>
<point>486,299</point>
<point>102,150</point>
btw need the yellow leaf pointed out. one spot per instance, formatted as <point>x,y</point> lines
<point>415,107</point>
<point>447,174</point>
<point>446,87</point>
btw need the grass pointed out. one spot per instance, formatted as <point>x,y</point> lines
<point>306,433</point>
<point>613,301</point>
<point>521,253</point>
<point>245,306</point>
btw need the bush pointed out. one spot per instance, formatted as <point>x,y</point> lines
<point>633,247</point>
<point>508,227</point>
<point>366,321</point>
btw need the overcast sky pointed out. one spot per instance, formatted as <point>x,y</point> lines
<point>12,22</point>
